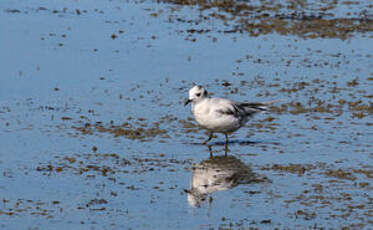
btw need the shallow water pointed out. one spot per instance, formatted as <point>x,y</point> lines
<point>94,133</point>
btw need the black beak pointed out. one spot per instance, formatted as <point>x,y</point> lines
<point>187,101</point>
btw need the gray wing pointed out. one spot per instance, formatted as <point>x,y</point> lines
<point>243,109</point>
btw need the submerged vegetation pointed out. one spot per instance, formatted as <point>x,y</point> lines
<point>304,18</point>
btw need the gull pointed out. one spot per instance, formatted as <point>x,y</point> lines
<point>220,115</point>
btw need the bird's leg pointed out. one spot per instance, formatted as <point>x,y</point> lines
<point>226,144</point>
<point>210,137</point>
<point>210,150</point>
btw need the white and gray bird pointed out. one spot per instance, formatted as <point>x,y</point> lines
<point>221,115</point>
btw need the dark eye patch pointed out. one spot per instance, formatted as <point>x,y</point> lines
<point>198,94</point>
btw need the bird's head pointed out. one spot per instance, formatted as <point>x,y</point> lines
<point>196,93</point>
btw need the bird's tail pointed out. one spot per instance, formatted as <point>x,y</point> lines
<point>258,107</point>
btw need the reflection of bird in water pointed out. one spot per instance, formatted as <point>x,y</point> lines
<point>219,173</point>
